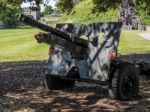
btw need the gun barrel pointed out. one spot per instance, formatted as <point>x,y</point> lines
<point>28,20</point>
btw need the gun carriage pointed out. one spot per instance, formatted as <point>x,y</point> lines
<point>93,60</point>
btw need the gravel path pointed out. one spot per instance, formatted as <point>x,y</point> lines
<point>22,89</point>
<point>145,35</point>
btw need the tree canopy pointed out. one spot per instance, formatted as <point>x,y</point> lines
<point>105,4</point>
<point>101,5</point>
<point>67,5</point>
<point>8,10</point>
<point>48,9</point>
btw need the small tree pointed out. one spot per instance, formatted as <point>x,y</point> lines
<point>48,9</point>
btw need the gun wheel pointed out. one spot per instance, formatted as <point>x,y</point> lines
<point>125,83</point>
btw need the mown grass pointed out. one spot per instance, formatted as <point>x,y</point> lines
<point>131,42</point>
<point>19,45</point>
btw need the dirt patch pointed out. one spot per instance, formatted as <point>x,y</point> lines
<point>22,89</point>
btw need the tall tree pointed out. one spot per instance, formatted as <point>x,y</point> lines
<point>48,9</point>
<point>66,5</point>
<point>106,4</point>
<point>8,9</point>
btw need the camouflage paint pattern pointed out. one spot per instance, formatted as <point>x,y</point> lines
<point>97,63</point>
<point>90,58</point>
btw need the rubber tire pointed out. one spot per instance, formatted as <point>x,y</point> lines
<point>120,73</point>
<point>53,82</point>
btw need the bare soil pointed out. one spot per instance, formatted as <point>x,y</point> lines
<point>22,89</point>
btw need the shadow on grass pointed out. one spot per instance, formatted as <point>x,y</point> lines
<point>22,88</point>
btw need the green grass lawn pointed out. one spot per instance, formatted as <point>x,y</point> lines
<point>131,42</point>
<point>19,45</point>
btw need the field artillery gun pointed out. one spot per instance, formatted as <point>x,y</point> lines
<point>94,60</point>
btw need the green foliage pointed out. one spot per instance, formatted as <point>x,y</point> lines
<point>84,12</point>
<point>14,2</point>
<point>65,5</point>
<point>38,2</point>
<point>104,5</point>
<point>7,12</point>
<point>144,11</point>
<point>54,15</point>
<point>142,6</point>
<point>146,20</point>
<point>48,9</point>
